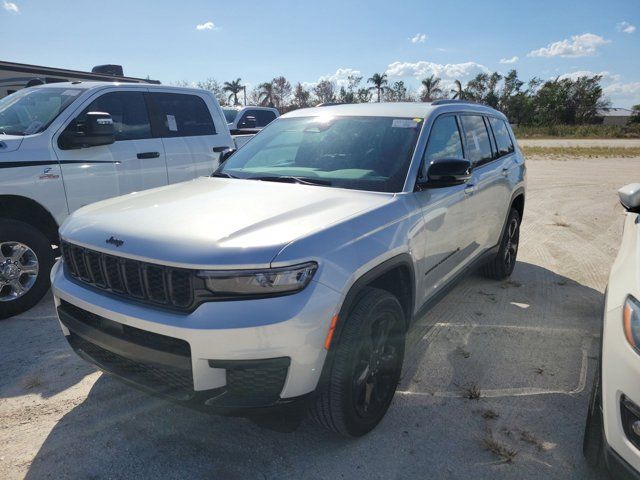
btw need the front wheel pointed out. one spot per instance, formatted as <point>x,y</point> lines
<point>501,266</point>
<point>366,366</point>
<point>26,258</point>
<point>593,439</point>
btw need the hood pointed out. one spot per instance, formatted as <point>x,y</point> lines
<point>10,143</point>
<point>214,222</point>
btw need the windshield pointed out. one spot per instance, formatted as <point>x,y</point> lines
<point>230,114</point>
<point>31,110</point>
<point>362,153</point>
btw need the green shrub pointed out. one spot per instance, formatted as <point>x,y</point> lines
<point>579,131</point>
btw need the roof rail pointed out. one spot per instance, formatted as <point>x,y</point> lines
<point>446,101</point>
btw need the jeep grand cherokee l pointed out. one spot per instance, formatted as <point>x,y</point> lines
<point>287,280</point>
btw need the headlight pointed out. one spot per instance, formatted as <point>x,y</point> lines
<point>631,322</point>
<point>270,281</point>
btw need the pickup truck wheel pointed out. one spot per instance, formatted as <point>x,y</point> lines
<point>26,258</point>
<point>501,266</point>
<point>366,366</point>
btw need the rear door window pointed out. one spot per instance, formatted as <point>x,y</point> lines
<point>182,115</point>
<point>128,111</point>
<point>476,136</point>
<point>248,115</point>
<point>503,139</point>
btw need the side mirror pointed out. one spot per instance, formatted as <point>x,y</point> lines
<point>96,129</point>
<point>248,122</point>
<point>447,172</point>
<point>226,154</point>
<point>630,197</point>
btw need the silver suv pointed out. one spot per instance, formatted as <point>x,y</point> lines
<point>286,282</point>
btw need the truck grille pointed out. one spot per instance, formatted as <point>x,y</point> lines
<point>145,282</point>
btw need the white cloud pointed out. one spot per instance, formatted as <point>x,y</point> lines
<point>10,7</point>
<point>513,59</point>
<point>578,46</point>
<point>340,78</point>
<point>625,27</point>
<point>421,69</point>
<point>623,89</point>
<point>606,76</point>
<point>205,26</point>
<point>419,38</point>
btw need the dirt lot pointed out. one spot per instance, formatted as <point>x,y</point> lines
<point>526,346</point>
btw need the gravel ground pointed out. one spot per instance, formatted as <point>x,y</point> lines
<point>580,142</point>
<point>527,346</point>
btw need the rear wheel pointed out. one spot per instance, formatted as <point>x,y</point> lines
<point>26,258</point>
<point>366,366</point>
<point>501,266</point>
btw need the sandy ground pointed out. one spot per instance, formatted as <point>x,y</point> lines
<point>528,344</point>
<point>580,142</point>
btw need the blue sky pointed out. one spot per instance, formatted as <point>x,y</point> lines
<point>307,41</point>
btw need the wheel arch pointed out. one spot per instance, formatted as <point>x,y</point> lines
<point>23,209</point>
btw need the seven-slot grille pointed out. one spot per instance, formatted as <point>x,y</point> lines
<point>145,282</point>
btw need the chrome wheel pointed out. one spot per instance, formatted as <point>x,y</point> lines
<point>18,270</point>
<point>511,249</point>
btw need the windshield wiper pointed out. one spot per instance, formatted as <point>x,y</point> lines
<point>223,175</point>
<point>293,179</point>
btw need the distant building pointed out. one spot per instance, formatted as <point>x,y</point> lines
<point>615,116</point>
<point>14,76</point>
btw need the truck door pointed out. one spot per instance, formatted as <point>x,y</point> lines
<point>134,162</point>
<point>192,141</point>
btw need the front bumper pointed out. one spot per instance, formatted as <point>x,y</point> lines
<point>620,371</point>
<point>231,357</point>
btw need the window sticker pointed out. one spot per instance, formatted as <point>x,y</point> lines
<point>404,123</point>
<point>475,140</point>
<point>171,123</point>
<point>70,93</point>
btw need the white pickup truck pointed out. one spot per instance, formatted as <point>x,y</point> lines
<point>65,145</point>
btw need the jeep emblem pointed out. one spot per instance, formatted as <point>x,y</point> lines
<point>114,241</point>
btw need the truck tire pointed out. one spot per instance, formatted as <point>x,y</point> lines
<point>366,366</point>
<point>26,258</point>
<point>501,266</point>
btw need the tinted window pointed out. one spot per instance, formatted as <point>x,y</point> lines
<point>477,143</point>
<point>264,117</point>
<point>444,140</point>
<point>242,123</point>
<point>181,115</point>
<point>129,113</point>
<point>230,114</point>
<point>503,139</point>
<point>364,153</point>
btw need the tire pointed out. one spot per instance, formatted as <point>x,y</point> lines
<point>593,440</point>
<point>14,236</point>
<point>366,366</point>
<point>501,266</point>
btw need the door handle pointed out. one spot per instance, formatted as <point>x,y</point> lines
<point>505,171</point>
<point>219,149</point>
<point>469,189</point>
<point>148,155</point>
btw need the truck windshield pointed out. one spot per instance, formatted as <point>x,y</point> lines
<point>230,114</point>
<point>31,110</point>
<point>361,153</point>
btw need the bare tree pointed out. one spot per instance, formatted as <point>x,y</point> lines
<point>214,87</point>
<point>325,91</point>
<point>281,91</point>
<point>301,96</point>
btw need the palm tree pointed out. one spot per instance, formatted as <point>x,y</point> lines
<point>234,87</point>
<point>458,92</point>
<point>379,82</point>
<point>266,94</point>
<point>431,88</point>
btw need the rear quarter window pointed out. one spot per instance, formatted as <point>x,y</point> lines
<point>182,115</point>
